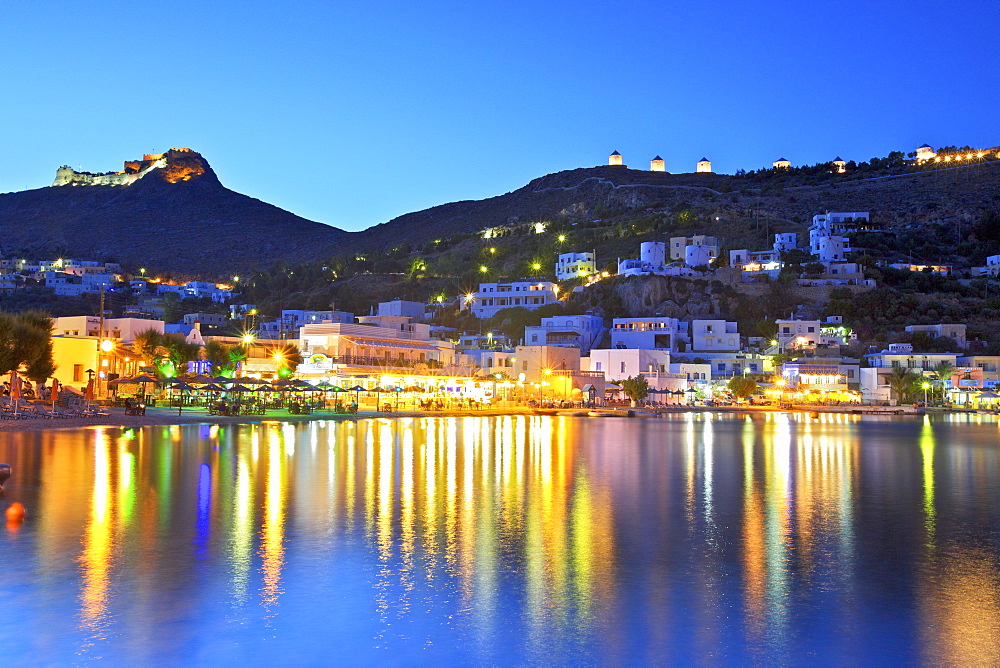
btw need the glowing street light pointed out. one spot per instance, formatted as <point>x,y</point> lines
<point>248,338</point>
<point>926,386</point>
<point>536,265</point>
<point>483,269</point>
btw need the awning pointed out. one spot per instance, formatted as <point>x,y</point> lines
<point>374,343</point>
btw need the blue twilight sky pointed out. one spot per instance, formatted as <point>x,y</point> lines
<point>351,113</point>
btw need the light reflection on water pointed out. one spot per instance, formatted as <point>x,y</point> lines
<point>775,538</point>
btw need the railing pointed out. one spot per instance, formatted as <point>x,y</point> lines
<point>354,360</point>
<point>584,374</point>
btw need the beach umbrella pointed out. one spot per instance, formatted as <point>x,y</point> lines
<point>88,395</point>
<point>15,386</point>
<point>54,392</point>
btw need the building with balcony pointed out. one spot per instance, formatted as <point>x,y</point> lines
<point>494,297</point>
<point>714,336</point>
<point>575,265</point>
<point>954,332</point>
<point>375,346</point>
<point>655,333</point>
<point>579,331</point>
<point>678,246</point>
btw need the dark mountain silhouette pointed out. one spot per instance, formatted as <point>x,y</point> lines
<point>176,217</point>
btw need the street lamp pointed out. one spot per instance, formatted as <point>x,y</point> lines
<point>926,386</point>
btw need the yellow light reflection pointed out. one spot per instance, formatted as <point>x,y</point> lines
<point>272,548</point>
<point>95,561</point>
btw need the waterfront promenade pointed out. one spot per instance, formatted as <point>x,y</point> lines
<point>199,415</point>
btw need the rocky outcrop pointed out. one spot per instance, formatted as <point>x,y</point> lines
<point>166,212</point>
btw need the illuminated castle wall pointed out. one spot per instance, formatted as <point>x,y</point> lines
<point>132,171</point>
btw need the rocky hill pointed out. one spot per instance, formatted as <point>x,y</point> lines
<point>895,197</point>
<point>170,213</point>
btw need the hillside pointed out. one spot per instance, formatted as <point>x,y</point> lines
<point>782,202</point>
<point>177,217</point>
<point>170,213</point>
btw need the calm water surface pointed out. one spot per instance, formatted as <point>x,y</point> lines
<point>513,540</point>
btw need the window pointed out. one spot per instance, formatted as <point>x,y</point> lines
<point>597,366</point>
<point>812,329</point>
<point>77,373</point>
<point>534,338</point>
<point>524,365</point>
<point>624,366</point>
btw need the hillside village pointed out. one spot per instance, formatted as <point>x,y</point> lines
<point>704,325</point>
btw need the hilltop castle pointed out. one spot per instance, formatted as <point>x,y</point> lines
<point>134,170</point>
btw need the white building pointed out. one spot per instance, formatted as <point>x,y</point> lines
<point>781,163</point>
<point>742,257</point>
<point>366,352</point>
<point>700,255</point>
<point>841,221</point>
<point>902,355</point>
<point>615,158</point>
<point>714,336</point>
<point>925,152</point>
<point>657,165</point>
<point>575,265</point>
<point>955,332</point>
<point>798,333</point>
<point>704,166</point>
<point>785,241</point>
<point>287,326</point>
<point>494,297</point>
<point>649,333</point>
<point>120,329</point>
<point>651,262</point>
<point>396,307</point>
<point>578,331</point>
<point>622,363</point>
<point>679,244</point>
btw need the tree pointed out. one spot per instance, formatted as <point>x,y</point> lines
<point>903,383</point>
<point>225,359</point>
<point>26,345</point>
<point>145,343</point>
<point>636,388</point>
<point>742,386</point>
<point>944,370</point>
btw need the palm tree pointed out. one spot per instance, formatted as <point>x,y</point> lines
<point>903,382</point>
<point>944,371</point>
